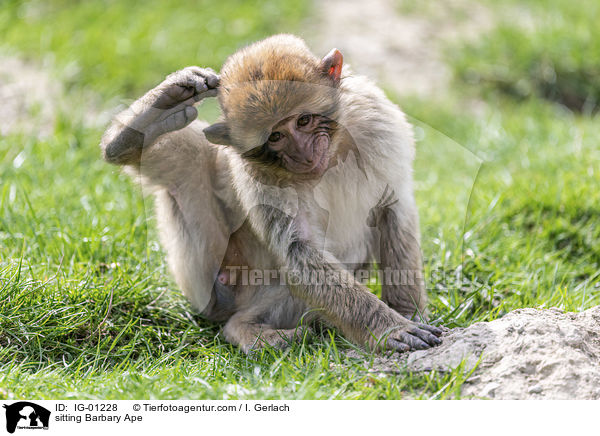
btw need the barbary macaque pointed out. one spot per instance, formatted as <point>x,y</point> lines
<point>308,174</point>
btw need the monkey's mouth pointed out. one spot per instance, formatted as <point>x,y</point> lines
<point>317,165</point>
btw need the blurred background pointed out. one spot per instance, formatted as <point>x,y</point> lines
<point>504,99</point>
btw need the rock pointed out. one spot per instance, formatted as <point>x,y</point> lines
<point>526,354</point>
<point>537,389</point>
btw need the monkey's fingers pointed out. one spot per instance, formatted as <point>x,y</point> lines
<point>397,345</point>
<point>168,97</point>
<point>173,95</point>
<point>415,339</point>
<point>412,340</point>
<point>175,121</point>
<point>425,336</point>
<point>213,81</point>
<point>192,83</point>
<point>187,103</point>
<point>210,93</point>
<point>195,74</point>
<point>433,329</point>
<point>211,78</point>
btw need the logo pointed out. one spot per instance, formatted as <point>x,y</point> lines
<point>26,415</point>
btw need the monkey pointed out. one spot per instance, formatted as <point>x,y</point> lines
<point>307,173</point>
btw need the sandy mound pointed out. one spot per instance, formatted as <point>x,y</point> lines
<point>527,354</point>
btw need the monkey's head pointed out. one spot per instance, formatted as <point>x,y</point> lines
<point>279,105</point>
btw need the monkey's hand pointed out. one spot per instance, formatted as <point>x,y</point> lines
<point>391,331</point>
<point>170,106</point>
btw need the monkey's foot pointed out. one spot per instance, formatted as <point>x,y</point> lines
<point>251,337</point>
<point>276,338</point>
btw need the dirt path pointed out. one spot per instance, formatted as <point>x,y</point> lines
<point>400,47</point>
<point>28,96</point>
<point>401,50</point>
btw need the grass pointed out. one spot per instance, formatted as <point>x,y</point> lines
<point>531,228</point>
<point>543,49</point>
<point>508,200</point>
<point>123,47</point>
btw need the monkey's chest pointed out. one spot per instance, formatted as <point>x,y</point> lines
<point>347,195</point>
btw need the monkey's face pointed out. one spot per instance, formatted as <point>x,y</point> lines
<point>301,143</point>
<point>282,128</point>
<point>278,102</point>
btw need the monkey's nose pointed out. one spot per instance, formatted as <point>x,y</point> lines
<point>309,152</point>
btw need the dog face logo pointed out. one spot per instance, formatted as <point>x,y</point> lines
<point>24,414</point>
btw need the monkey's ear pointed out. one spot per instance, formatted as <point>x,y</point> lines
<point>218,133</point>
<point>332,63</point>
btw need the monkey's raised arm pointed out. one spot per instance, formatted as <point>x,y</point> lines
<point>166,108</point>
<point>341,300</point>
<point>195,206</point>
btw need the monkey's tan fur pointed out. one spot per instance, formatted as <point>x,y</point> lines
<point>270,80</point>
<point>223,206</point>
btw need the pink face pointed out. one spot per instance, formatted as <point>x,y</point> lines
<point>302,143</point>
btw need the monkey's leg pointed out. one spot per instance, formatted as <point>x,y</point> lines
<point>221,304</point>
<point>243,330</point>
<point>195,220</point>
<point>400,256</point>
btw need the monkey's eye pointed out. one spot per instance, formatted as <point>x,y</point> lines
<point>274,137</point>
<point>303,120</point>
